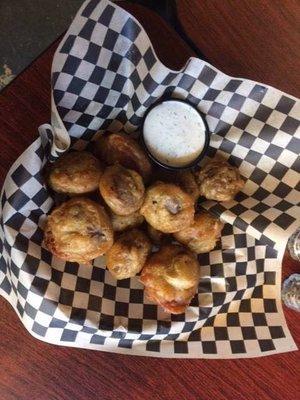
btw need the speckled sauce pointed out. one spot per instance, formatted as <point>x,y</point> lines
<point>174,133</point>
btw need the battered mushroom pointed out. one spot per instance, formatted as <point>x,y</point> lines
<point>120,148</point>
<point>171,278</point>
<point>78,172</point>
<point>122,189</point>
<point>122,222</point>
<point>219,181</point>
<point>128,254</point>
<point>202,235</point>
<point>184,179</point>
<point>167,207</point>
<point>79,230</point>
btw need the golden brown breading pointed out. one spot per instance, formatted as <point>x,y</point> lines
<point>184,179</point>
<point>122,189</point>
<point>120,148</point>
<point>79,230</point>
<point>128,254</point>
<point>167,207</point>
<point>171,278</point>
<point>122,222</point>
<point>202,235</point>
<point>78,172</point>
<point>219,181</point>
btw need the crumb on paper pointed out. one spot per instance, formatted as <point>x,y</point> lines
<point>6,77</point>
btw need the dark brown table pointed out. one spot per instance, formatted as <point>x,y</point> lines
<point>33,370</point>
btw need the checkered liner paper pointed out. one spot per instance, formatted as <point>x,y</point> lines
<point>105,75</point>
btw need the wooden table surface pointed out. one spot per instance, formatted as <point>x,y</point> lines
<point>254,39</point>
<point>33,370</point>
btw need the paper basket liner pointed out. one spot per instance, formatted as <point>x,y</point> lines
<point>105,75</point>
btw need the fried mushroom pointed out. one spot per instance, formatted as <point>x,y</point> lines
<point>171,278</point>
<point>79,230</point>
<point>219,181</point>
<point>202,235</point>
<point>122,189</point>
<point>120,148</point>
<point>167,207</point>
<point>128,254</point>
<point>75,173</point>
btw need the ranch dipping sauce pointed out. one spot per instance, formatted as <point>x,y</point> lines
<point>174,133</point>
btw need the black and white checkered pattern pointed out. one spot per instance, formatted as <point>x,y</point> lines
<point>105,75</point>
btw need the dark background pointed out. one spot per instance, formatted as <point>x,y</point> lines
<point>27,27</point>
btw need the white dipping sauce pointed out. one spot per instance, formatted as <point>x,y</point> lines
<point>174,133</point>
